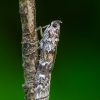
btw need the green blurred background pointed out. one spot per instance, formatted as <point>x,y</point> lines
<point>76,75</point>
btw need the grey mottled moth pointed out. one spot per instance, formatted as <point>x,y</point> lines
<point>48,46</point>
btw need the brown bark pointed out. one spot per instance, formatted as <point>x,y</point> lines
<point>29,44</point>
<point>37,76</point>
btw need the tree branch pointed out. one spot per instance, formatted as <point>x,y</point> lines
<point>37,76</point>
<point>29,44</point>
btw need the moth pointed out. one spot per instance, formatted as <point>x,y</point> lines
<point>48,46</point>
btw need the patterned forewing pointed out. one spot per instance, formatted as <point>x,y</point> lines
<point>48,45</point>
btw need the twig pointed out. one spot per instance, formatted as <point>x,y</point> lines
<point>29,44</point>
<point>37,75</point>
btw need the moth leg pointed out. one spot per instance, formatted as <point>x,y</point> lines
<point>40,28</point>
<point>36,49</point>
<point>45,26</point>
<point>32,44</point>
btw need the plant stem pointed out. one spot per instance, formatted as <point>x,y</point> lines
<point>29,44</point>
<point>37,76</point>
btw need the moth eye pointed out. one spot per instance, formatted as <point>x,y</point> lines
<point>54,25</point>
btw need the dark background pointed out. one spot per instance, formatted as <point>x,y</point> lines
<point>76,75</point>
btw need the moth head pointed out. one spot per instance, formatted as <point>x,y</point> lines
<point>56,23</point>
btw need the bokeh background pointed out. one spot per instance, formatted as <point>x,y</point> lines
<point>76,75</point>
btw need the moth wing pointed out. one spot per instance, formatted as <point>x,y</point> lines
<point>55,54</point>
